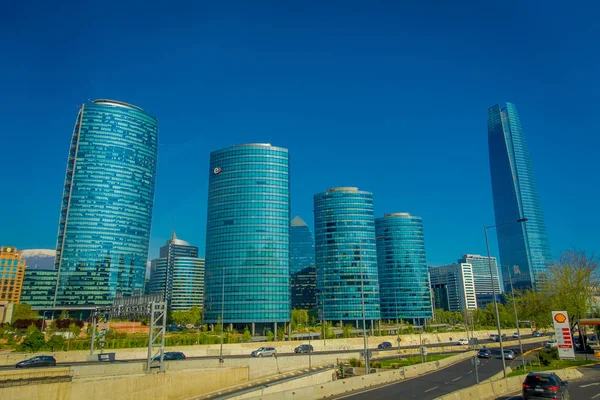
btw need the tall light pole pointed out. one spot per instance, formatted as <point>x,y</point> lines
<point>222,313</point>
<point>487,244</point>
<point>362,297</point>
<point>512,292</point>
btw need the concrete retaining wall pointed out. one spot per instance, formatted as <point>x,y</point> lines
<point>493,389</point>
<point>247,348</point>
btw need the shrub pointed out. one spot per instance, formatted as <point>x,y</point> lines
<point>553,353</point>
<point>35,341</point>
<point>376,364</point>
<point>56,343</point>
<point>545,358</point>
<point>354,362</point>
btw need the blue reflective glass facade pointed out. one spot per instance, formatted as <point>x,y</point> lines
<point>38,288</point>
<point>346,251</point>
<point>106,211</point>
<point>404,286</point>
<point>516,196</point>
<point>178,274</point>
<point>302,246</point>
<point>248,235</point>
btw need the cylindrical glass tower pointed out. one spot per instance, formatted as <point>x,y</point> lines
<point>247,236</point>
<point>403,275</point>
<point>346,256</point>
<point>106,212</point>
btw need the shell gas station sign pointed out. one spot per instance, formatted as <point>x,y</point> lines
<point>563,334</point>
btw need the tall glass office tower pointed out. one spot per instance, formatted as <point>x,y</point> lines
<point>247,275</point>
<point>302,246</point>
<point>346,256</point>
<point>404,286</point>
<point>524,245</point>
<point>178,274</point>
<point>106,211</point>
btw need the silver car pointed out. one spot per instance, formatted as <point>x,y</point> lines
<point>509,355</point>
<point>264,352</point>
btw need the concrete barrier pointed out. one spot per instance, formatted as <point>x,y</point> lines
<point>495,388</point>
<point>246,348</point>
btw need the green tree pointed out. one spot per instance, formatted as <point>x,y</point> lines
<point>270,335</point>
<point>347,331</point>
<point>24,311</point>
<point>74,332</point>
<point>531,306</point>
<point>247,336</point>
<point>34,341</point>
<point>571,283</point>
<point>280,334</point>
<point>56,343</point>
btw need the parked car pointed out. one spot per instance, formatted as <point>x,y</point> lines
<point>539,385</point>
<point>264,352</point>
<point>551,343</point>
<point>462,342</point>
<point>515,335</point>
<point>38,361</point>
<point>508,355</point>
<point>303,348</point>
<point>384,345</point>
<point>170,355</point>
<point>484,353</point>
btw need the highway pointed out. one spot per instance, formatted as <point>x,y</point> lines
<point>586,388</point>
<point>435,384</point>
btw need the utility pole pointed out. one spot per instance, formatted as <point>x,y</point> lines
<point>362,296</point>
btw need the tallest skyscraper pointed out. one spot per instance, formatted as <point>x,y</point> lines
<point>524,248</point>
<point>106,212</point>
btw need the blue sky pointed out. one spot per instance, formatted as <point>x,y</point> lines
<point>388,97</point>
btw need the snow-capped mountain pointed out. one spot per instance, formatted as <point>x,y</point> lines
<point>39,258</point>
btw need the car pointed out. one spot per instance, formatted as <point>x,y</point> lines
<point>537,334</point>
<point>384,345</point>
<point>515,335</point>
<point>170,355</point>
<point>264,352</point>
<point>538,385</point>
<point>462,342</point>
<point>484,353</point>
<point>304,348</point>
<point>508,355</point>
<point>38,361</point>
<point>550,344</point>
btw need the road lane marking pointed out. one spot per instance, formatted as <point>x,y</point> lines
<point>593,397</point>
<point>590,384</point>
<point>433,388</point>
<point>455,379</point>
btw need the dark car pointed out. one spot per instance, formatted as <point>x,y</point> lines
<point>537,334</point>
<point>539,385</point>
<point>484,353</point>
<point>303,348</point>
<point>384,345</point>
<point>39,361</point>
<point>171,355</point>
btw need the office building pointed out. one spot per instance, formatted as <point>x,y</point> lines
<point>455,281</point>
<point>515,194</point>
<point>38,288</point>
<point>482,279</point>
<point>404,287</point>
<point>12,269</point>
<point>178,274</point>
<point>106,212</point>
<point>303,287</point>
<point>302,246</point>
<point>247,275</point>
<point>346,256</point>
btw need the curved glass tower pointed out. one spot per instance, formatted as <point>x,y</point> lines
<point>404,285</point>
<point>106,212</point>
<point>523,247</point>
<point>247,277</point>
<point>346,256</point>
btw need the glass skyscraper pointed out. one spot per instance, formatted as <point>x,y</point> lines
<point>404,286</point>
<point>515,193</point>
<point>482,278</point>
<point>38,288</point>
<point>248,236</point>
<point>106,211</point>
<point>302,246</point>
<point>178,274</point>
<point>346,256</point>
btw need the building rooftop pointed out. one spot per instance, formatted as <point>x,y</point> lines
<point>175,240</point>
<point>297,221</point>
<point>343,189</point>
<point>117,103</point>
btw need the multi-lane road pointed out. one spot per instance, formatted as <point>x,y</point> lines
<point>435,384</point>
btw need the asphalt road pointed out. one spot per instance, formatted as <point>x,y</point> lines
<point>587,388</point>
<point>435,384</point>
<point>373,348</point>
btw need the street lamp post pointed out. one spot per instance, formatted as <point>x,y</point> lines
<point>487,244</point>
<point>512,292</point>
<point>222,313</point>
<point>362,297</point>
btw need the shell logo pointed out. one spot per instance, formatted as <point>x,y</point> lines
<point>595,299</point>
<point>216,170</point>
<point>560,318</point>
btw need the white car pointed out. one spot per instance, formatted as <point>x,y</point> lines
<point>462,342</point>
<point>515,335</point>
<point>551,343</point>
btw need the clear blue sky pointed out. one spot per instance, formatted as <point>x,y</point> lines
<point>387,97</point>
